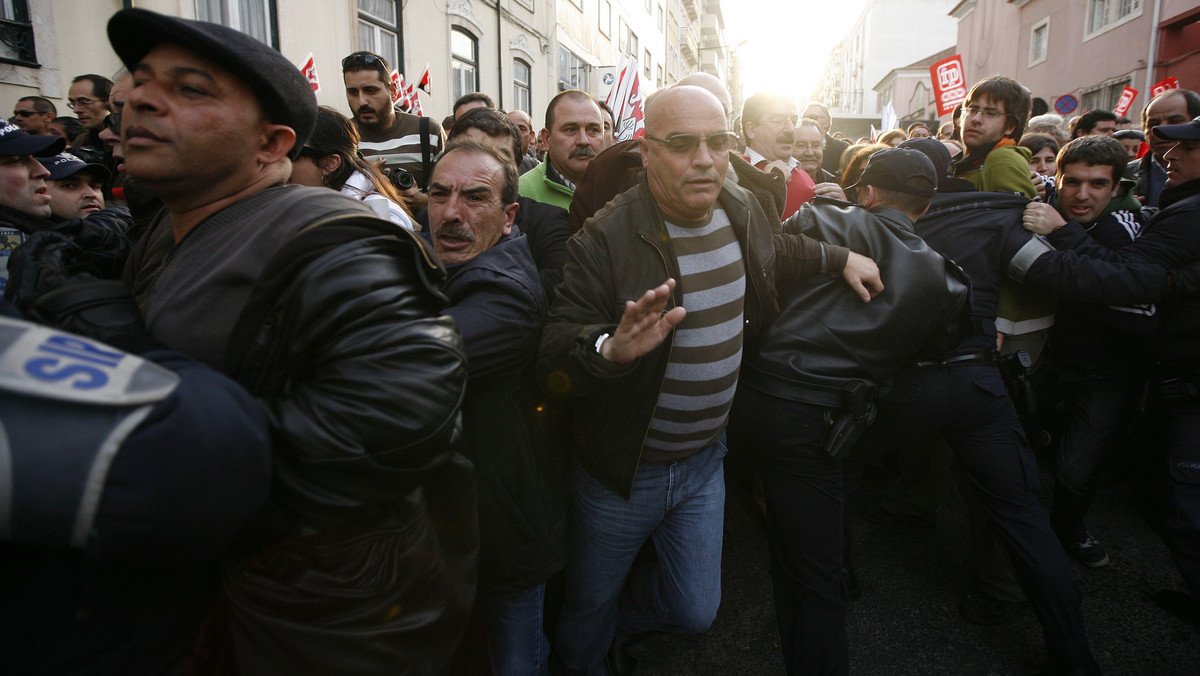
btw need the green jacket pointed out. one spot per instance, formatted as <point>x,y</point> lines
<point>536,185</point>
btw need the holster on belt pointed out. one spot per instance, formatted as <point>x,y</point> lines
<point>845,425</point>
<point>1014,368</point>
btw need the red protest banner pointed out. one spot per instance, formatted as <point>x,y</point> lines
<point>949,83</point>
<point>1163,85</point>
<point>1128,94</point>
<point>309,68</point>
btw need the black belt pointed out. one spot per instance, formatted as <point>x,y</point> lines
<point>962,360</point>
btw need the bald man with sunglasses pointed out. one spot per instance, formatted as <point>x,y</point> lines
<point>660,290</point>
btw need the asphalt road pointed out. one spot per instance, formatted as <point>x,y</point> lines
<point>905,621</point>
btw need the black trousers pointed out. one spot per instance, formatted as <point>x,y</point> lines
<point>1171,475</point>
<point>969,406</point>
<point>803,490</point>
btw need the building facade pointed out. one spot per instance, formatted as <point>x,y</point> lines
<point>520,52</point>
<point>1087,50</point>
<point>889,34</point>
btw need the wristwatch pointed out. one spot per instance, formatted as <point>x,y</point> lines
<point>600,341</point>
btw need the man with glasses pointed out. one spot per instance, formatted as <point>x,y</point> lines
<point>769,121</point>
<point>654,372</point>
<point>34,114</point>
<point>993,119</point>
<point>88,97</point>
<point>402,141</point>
<point>808,150</point>
<point>834,147</point>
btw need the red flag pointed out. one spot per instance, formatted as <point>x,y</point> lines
<point>397,85</point>
<point>424,84</point>
<point>1128,94</point>
<point>309,68</point>
<point>1163,85</point>
<point>625,100</point>
<point>414,101</point>
<point>949,83</point>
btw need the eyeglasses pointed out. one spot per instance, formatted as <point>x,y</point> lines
<point>808,146</point>
<point>81,101</point>
<point>112,122</point>
<point>685,144</point>
<point>25,113</point>
<point>988,113</point>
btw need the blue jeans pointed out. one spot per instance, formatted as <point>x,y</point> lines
<point>681,505</point>
<point>517,644</point>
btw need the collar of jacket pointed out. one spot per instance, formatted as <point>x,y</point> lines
<point>895,218</point>
<point>733,199</point>
<point>1178,193</point>
<point>754,179</point>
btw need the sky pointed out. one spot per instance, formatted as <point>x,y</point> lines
<point>788,41</point>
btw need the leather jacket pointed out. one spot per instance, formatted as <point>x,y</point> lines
<point>621,252</point>
<point>365,559</point>
<point>826,335</point>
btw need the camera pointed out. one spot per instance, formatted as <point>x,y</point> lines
<point>401,178</point>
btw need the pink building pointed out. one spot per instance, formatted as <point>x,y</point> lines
<point>1088,49</point>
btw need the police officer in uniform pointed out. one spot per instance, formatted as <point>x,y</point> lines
<point>805,389</point>
<point>123,478</point>
<point>961,395</point>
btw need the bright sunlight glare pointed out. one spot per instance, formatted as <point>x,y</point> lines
<point>787,42</point>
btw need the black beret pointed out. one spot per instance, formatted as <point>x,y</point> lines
<point>279,86</point>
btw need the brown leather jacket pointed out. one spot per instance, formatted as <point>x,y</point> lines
<point>624,250</point>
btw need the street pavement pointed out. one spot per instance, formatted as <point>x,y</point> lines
<point>905,621</point>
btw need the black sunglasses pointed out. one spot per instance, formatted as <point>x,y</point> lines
<point>307,151</point>
<point>362,59</point>
<point>112,122</point>
<point>25,113</point>
<point>684,144</point>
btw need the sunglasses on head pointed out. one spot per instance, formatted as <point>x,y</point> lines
<point>362,59</point>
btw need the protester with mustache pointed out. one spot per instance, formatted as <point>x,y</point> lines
<point>497,303</point>
<point>769,121</point>
<point>574,134</point>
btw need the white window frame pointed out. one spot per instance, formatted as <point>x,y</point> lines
<point>525,86</point>
<point>233,13</point>
<point>1112,20</point>
<point>604,16</point>
<point>379,25</point>
<point>1033,30</point>
<point>455,59</point>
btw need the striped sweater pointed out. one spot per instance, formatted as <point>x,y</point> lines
<point>706,352</point>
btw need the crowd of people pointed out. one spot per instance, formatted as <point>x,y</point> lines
<point>287,391</point>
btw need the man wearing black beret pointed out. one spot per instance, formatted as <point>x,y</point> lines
<point>331,317</point>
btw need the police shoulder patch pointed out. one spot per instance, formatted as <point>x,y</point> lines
<point>44,362</point>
